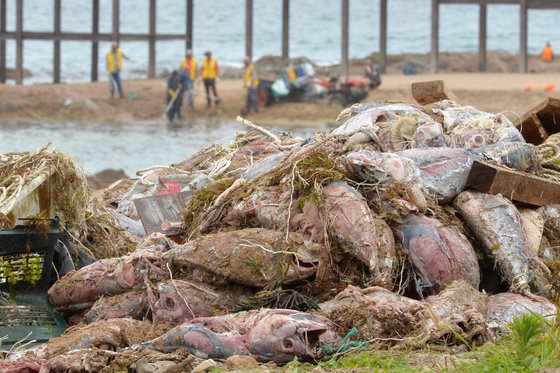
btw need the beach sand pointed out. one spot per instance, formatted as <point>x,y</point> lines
<point>493,92</point>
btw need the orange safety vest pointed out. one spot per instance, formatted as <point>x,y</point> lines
<point>547,54</point>
<point>248,76</point>
<point>190,67</point>
<point>111,60</point>
<point>209,69</point>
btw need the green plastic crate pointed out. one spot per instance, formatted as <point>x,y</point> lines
<point>25,313</point>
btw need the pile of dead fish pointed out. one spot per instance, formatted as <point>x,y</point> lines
<point>369,226</point>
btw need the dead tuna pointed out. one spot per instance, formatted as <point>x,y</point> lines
<point>174,302</point>
<point>266,335</point>
<point>253,257</point>
<point>504,307</point>
<point>458,310</point>
<point>365,237</point>
<point>498,225</point>
<point>80,289</point>
<point>429,135</point>
<point>439,254</point>
<point>383,168</point>
<point>517,155</point>
<point>384,314</point>
<point>443,172</point>
<point>133,304</point>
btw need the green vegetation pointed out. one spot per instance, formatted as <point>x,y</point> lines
<point>534,344</point>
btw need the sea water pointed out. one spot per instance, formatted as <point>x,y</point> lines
<point>219,25</point>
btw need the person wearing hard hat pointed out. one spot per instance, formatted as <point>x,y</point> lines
<point>114,66</point>
<point>210,73</point>
<point>189,67</point>
<point>547,54</point>
<point>252,84</point>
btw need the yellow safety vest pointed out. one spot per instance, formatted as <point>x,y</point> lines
<point>248,74</point>
<point>111,60</point>
<point>209,70</point>
<point>190,68</point>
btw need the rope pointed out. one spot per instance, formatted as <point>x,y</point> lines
<point>345,345</point>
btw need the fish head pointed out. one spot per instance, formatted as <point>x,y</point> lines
<point>168,306</point>
<point>382,167</point>
<point>282,337</point>
<point>429,135</point>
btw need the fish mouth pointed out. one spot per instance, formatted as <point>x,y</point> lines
<point>311,339</point>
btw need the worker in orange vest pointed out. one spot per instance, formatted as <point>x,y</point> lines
<point>547,55</point>
<point>189,66</point>
<point>210,73</point>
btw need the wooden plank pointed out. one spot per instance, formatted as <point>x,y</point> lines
<point>286,29</point>
<point>189,24</point>
<point>456,2</point>
<point>434,51</point>
<point>152,41</point>
<point>482,38</point>
<point>383,36</point>
<point>155,210</point>
<point>56,46</point>
<point>95,44</point>
<point>523,36</point>
<point>344,40</point>
<point>515,185</point>
<point>540,121</point>
<point>2,41</point>
<point>431,91</point>
<point>85,36</point>
<point>249,28</point>
<point>19,42</point>
<point>543,4</point>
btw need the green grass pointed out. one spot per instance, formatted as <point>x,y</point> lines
<point>533,344</point>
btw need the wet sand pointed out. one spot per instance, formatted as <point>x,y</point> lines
<point>494,92</point>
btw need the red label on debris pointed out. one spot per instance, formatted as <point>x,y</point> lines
<point>169,187</point>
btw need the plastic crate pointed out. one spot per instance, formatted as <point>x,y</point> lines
<point>25,312</point>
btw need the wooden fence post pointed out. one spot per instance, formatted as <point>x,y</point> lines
<point>285,29</point>
<point>95,44</point>
<point>523,36</point>
<point>482,38</point>
<point>56,52</point>
<point>152,41</point>
<point>249,28</point>
<point>344,44</point>
<point>189,24</point>
<point>383,36</point>
<point>2,41</point>
<point>434,54</point>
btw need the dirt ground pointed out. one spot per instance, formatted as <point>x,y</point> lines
<point>494,92</point>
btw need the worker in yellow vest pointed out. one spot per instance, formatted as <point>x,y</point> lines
<point>189,66</point>
<point>252,84</point>
<point>210,72</point>
<point>114,66</point>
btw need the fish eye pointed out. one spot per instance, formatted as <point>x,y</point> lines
<point>169,303</point>
<point>288,344</point>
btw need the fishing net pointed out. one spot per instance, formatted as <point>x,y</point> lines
<point>550,154</point>
<point>68,186</point>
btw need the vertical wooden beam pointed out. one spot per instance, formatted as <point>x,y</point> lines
<point>189,24</point>
<point>434,54</point>
<point>383,35</point>
<point>285,29</point>
<point>523,36</point>
<point>116,21</point>
<point>249,28</point>
<point>56,52</point>
<point>344,42</point>
<point>2,41</point>
<point>152,41</point>
<point>95,44</point>
<point>482,38</point>
<point>19,42</point>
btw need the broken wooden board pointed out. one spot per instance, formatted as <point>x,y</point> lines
<point>431,91</point>
<point>156,210</point>
<point>515,185</point>
<point>540,122</point>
